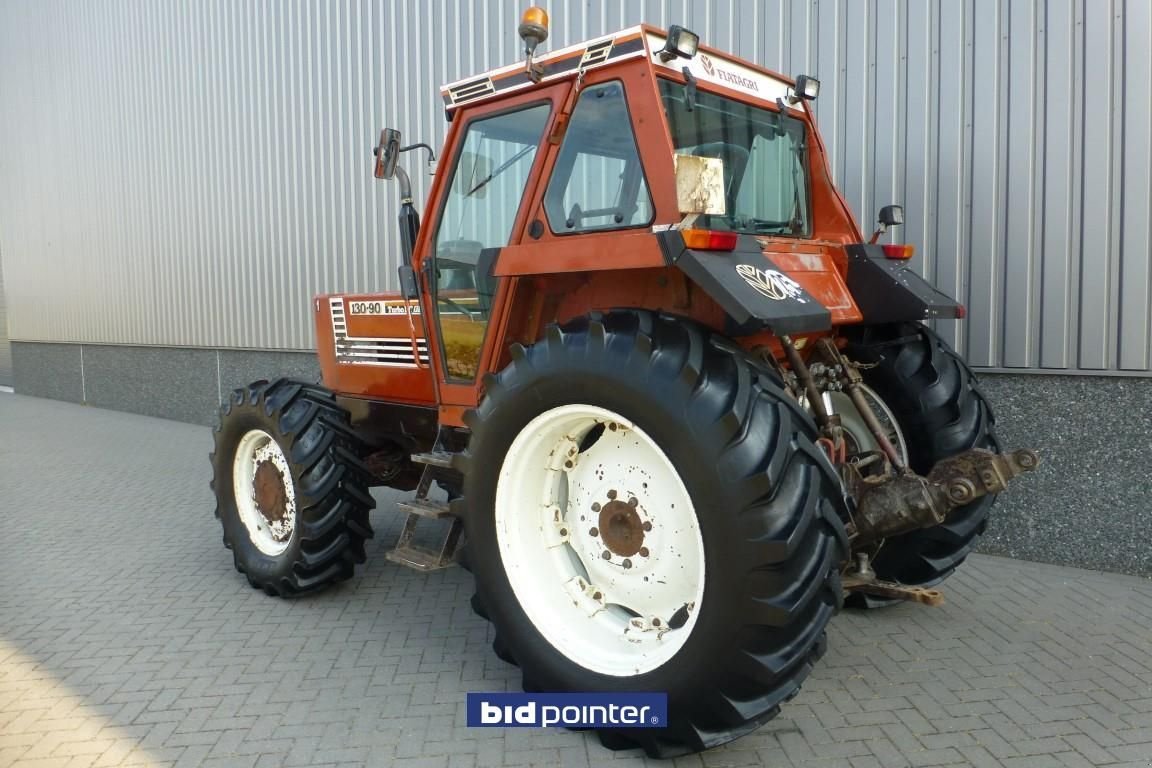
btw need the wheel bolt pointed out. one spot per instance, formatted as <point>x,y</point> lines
<point>607,555</point>
<point>647,526</point>
<point>627,563</point>
<point>563,531</point>
<point>594,531</point>
<point>632,502</point>
<point>595,506</point>
<point>611,494</point>
<point>643,551</point>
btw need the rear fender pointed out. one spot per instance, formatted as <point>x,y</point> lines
<point>750,286</point>
<point>886,290</point>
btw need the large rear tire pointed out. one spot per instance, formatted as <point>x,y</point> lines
<point>942,412</point>
<point>718,538</point>
<point>291,492</point>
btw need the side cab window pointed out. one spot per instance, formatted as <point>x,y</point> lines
<point>598,181</point>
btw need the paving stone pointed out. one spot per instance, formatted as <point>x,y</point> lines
<point>127,638</point>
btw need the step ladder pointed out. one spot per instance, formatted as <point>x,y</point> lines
<point>437,466</point>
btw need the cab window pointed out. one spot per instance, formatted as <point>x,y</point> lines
<point>598,181</point>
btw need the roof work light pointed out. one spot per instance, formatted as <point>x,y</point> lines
<point>681,42</point>
<point>807,88</point>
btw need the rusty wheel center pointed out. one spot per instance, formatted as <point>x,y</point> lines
<point>268,486</point>
<point>621,528</point>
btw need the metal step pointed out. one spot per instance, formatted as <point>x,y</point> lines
<point>425,508</point>
<point>420,559</point>
<point>434,459</point>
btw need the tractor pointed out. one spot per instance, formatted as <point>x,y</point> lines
<point>650,383</point>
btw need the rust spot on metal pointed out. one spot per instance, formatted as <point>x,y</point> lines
<point>268,485</point>
<point>622,529</point>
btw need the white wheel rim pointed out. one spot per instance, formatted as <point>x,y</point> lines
<point>624,615</point>
<point>270,526</point>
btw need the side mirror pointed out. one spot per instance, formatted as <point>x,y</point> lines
<point>387,153</point>
<point>892,215</point>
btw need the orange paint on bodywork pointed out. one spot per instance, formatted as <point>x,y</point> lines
<point>547,277</point>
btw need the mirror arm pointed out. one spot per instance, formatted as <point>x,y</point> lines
<point>428,149</point>
<point>405,186</point>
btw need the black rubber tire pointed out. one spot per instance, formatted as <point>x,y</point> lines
<point>329,480</point>
<point>769,506</point>
<point>942,412</point>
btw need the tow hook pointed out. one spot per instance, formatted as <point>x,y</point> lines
<point>899,503</point>
<point>862,578</point>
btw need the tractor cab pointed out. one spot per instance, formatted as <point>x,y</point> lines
<point>608,173</point>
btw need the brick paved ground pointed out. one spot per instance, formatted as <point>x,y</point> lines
<point>126,638</point>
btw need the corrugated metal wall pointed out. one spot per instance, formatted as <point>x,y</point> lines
<point>189,173</point>
<point>5,347</point>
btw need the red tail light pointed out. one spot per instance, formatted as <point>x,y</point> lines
<point>901,252</point>
<point>708,240</point>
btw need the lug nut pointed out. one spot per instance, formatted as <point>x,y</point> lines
<point>607,555</point>
<point>632,502</point>
<point>643,551</point>
<point>647,526</point>
<point>611,494</point>
<point>595,506</point>
<point>627,563</point>
<point>593,531</point>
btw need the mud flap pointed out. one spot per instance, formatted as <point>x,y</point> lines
<point>754,291</point>
<point>886,290</point>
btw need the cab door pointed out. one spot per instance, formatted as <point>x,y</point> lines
<point>480,209</point>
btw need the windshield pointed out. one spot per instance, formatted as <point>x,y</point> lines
<point>764,155</point>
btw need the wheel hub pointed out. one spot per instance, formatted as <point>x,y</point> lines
<point>621,527</point>
<point>271,500</point>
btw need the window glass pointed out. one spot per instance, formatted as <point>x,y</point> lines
<point>488,184</point>
<point>764,154</point>
<point>598,181</point>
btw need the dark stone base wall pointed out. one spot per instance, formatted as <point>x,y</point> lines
<point>1089,504</point>
<point>184,384</point>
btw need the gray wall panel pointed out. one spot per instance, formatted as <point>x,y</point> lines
<point>190,173</point>
<point>5,347</point>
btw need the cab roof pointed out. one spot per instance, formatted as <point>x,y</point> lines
<point>639,42</point>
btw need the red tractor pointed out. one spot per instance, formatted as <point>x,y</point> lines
<point>672,406</point>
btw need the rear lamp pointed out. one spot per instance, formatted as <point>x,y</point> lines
<point>680,42</point>
<point>708,240</point>
<point>807,88</point>
<point>901,252</point>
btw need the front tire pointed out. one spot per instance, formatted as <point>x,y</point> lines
<point>942,412</point>
<point>291,493</point>
<point>715,514</point>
